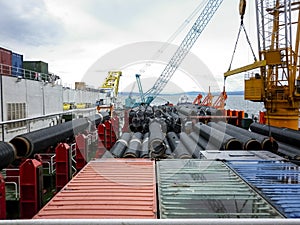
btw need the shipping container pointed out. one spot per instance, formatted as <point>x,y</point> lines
<point>277,181</point>
<point>40,67</point>
<point>80,85</point>
<point>239,155</point>
<point>107,188</point>
<point>17,64</point>
<point>195,188</point>
<point>5,61</point>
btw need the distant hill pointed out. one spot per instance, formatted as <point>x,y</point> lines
<point>184,93</point>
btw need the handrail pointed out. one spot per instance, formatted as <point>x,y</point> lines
<point>46,116</point>
<point>152,221</point>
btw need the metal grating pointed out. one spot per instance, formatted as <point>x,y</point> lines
<point>278,181</point>
<point>107,189</point>
<point>206,189</point>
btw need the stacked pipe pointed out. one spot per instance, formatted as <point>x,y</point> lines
<point>144,148</point>
<point>221,140</point>
<point>121,145</point>
<point>195,110</point>
<point>133,150</point>
<point>26,145</point>
<point>157,133</point>
<point>265,142</point>
<point>248,142</point>
<point>179,151</point>
<point>288,139</point>
<point>140,117</point>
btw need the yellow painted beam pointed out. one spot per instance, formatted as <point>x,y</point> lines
<point>252,66</point>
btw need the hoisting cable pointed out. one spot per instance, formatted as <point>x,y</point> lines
<point>166,44</point>
<point>242,26</point>
<point>161,50</point>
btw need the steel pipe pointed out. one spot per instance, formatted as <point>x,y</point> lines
<point>173,140</point>
<point>248,142</point>
<point>202,142</point>
<point>191,145</point>
<point>221,140</point>
<point>7,154</point>
<point>181,152</point>
<point>96,119</point>
<point>289,151</point>
<point>265,142</point>
<point>40,140</point>
<point>145,147</point>
<point>168,153</point>
<point>285,135</point>
<point>157,133</point>
<point>178,148</point>
<point>133,150</point>
<point>186,111</point>
<point>120,146</point>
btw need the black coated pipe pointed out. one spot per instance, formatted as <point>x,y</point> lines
<point>96,119</point>
<point>133,150</point>
<point>177,147</point>
<point>105,116</point>
<point>40,140</point>
<point>181,152</point>
<point>219,139</point>
<point>7,154</point>
<point>289,151</point>
<point>202,142</point>
<point>168,154</point>
<point>192,146</point>
<point>173,140</point>
<point>157,131</point>
<point>248,142</point>
<point>145,147</point>
<point>265,142</point>
<point>186,111</point>
<point>285,135</point>
<point>120,146</point>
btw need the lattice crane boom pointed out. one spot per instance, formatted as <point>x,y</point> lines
<point>187,43</point>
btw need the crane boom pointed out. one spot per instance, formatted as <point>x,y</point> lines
<point>187,43</point>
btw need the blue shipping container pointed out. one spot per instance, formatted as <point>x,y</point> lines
<point>17,64</point>
<point>277,181</point>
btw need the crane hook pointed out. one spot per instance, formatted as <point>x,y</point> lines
<point>242,8</point>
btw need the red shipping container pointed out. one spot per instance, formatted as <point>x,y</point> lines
<point>5,61</point>
<point>107,189</point>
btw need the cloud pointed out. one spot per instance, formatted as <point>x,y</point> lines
<point>29,22</point>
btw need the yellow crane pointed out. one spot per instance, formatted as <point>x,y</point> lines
<point>112,82</point>
<point>110,89</point>
<point>277,82</point>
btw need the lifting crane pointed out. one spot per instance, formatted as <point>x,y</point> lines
<point>278,82</point>
<point>187,43</point>
<point>110,88</point>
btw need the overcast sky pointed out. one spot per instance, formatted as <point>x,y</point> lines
<point>71,35</point>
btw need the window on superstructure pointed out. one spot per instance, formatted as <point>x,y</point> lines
<point>16,111</point>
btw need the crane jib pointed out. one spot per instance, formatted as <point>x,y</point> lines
<point>184,48</point>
